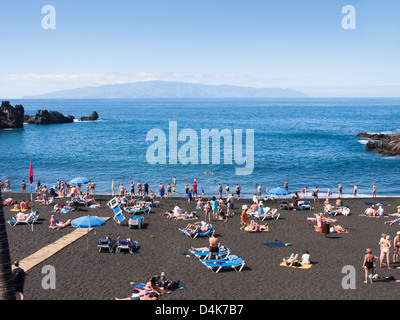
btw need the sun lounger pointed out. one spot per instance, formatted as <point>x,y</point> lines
<point>236,265</point>
<point>267,215</point>
<point>32,218</point>
<point>147,209</point>
<point>304,205</point>
<point>105,244</point>
<point>118,214</point>
<point>198,233</point>
<point>285,204</point>
<point>220,260</point>
<point>126,245</point>
<point>136,221</point>
<point>204,254</point>
<point>260,213</point>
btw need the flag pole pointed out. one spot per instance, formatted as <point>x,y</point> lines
<point>31,181</point>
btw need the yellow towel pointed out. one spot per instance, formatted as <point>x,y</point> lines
<point>303,266</point>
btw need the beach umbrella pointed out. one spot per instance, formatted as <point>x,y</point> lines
<point>87,222</point>
<point>279,192</point>
<point>79,181</point>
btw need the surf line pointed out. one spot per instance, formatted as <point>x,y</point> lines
<point>188,152</point>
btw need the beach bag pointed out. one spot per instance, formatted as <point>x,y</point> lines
<point>173,285</point>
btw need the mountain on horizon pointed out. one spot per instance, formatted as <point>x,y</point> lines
<point>167,89</point>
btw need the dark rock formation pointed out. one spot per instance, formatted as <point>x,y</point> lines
<point>48,117</point>
<point>93,117</point>
<point>383,144</point>
<point>11,117</point>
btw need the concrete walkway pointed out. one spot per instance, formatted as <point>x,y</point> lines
<point>51,249</point>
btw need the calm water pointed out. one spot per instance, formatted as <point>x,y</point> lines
<point>310,142</point>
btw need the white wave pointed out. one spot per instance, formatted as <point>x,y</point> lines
<point>363,141</point>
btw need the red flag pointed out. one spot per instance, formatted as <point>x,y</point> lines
<point>31,174</point>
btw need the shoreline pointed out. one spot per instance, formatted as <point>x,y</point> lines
<point>244,196</point>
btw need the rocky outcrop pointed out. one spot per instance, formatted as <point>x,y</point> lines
<point>383,144</point>
<point>93,117</point>
<point>11,117</point>
<point>48,117</point>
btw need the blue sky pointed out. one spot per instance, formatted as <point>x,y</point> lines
<point>297,44</point>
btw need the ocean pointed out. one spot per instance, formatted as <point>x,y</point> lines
<point>309,142</point>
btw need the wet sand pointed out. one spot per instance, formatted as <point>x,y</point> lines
<point>85,274</point>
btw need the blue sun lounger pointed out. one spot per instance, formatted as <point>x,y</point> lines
<point>147,209</point>
<point>220,260</point>
<point>198,233</point>
<point>236,265</point>
<point>204,254</point>
<point>126,245</point>
<point>118,214</point>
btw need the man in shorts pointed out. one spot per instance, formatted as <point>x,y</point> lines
<point>214,246</point>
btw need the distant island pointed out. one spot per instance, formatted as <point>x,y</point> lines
<point>167,89</point>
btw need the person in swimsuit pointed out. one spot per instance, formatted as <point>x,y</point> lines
<point>396,245</point>
<point>368,265</point>
<point>374,190</point>
<point>214,246</point>
<point>340,190</point>
<point>385,250</point>
<point>315,195</point>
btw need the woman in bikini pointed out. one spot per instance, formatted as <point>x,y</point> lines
<point>385,250</point>
<point>368,265</point>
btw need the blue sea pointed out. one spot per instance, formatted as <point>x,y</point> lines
<point>309,142</point>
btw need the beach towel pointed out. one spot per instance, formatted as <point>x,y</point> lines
<point>7,202</point>
<point>333,229</point>
<point>277,244</point>
<point>303,266</point>
<point>338,230</point>
<point>142,286</point>
<point>62,211</point>
<point>250,229</point>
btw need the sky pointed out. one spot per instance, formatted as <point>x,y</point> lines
<point>295,44</point>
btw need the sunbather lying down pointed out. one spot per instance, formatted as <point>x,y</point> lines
<point>395,221</point>
<point>338,228</point>
<point>206,248</point>
<point>325,219</point>
<point>198,226</point>
<point>254,227</point>
<point>182,216</point>
<point>137,295</point>
<point>294,261</point>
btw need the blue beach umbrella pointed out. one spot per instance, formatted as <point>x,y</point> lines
<point>87,222</point>
<point>279,192</point>
<point>79,181</point>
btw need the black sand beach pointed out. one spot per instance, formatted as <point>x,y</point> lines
<point>86,274</point>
